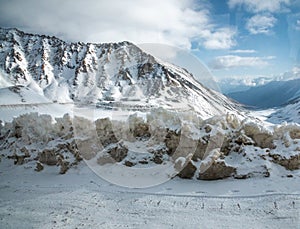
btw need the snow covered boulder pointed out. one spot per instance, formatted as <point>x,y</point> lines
<point>295,132</point>
<point>261,136</point>
<point>218,170</point>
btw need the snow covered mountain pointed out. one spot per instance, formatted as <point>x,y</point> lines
<point>273,94</point>
<point>231,85</point>
<point>105,74</point>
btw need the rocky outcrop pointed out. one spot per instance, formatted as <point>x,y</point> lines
<point>48,157</point>
<point>259,135</point>
<point>172,141</point>
<point>188,171</point>
<point>289,162</point>
<point>118,153</point>
<point>218,170</point>
<point>39,166</point>
<point>105,132</point>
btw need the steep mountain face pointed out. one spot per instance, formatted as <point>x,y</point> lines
<point>273,94</point>
<point>104,74</point>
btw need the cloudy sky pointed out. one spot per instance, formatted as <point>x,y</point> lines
<point>234,38</point>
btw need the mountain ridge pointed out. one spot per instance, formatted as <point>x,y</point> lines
<point>272,94</point>
<point>109,73</point>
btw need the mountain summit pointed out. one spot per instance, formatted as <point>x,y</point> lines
<point>109,74</point>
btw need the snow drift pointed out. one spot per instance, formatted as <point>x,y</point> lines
<point>189,146</point>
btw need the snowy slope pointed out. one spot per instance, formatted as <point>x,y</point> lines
<point>18,95</point>
<point>113,74</point>
<point>289,113</point>
<point>273,94</point>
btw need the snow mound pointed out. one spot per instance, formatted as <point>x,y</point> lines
<point>185,144</point>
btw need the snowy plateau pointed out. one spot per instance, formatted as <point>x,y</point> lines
<point>108,136</point>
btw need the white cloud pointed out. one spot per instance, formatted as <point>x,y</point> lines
<point>257,6</point>
<point>173,22</point>
<point>234,61</point>
<point>243,51</point>
<point>261,24</point>
<point>220,39</point>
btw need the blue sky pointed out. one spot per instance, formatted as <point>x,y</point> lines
<point>267,38</point>
<point>234,38</point>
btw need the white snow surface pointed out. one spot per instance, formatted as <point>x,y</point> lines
<point>83,200</point>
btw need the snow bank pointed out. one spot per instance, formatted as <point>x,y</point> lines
<point>215,148</point>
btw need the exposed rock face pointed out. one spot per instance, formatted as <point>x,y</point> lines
<point>295,133</point>
<point>118,153</point>
<point>105,132</point>
<point>188,171</point>
<point>290,163</point>
<point>48,157</point>
<point>172,141</point>
<point>218,170</point>
<point>141,130</point>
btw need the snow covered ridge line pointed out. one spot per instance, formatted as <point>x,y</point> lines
<point>165,143</point>
<point>102,73</point>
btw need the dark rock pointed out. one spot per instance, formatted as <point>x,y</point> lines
<point>207,128</point>
<point>48,157</point>
<point>290,163</point>
<point>172,141</point>
<point>39,166</point>
<point>64,166</point>
<point>218,170</point>
<point>105,131</point>
<point>295,133</point>
<point>141,130</point>
<point>143,162</point>
<point>188,171</point>
<point>241,176</point>
<point>129,163</point>
<point>118,153</point>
